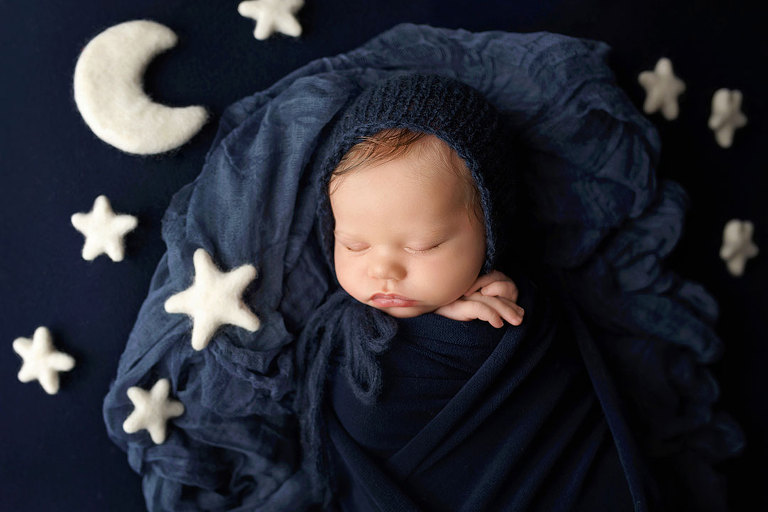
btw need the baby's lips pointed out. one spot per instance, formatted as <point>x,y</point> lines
<point>392,300</point>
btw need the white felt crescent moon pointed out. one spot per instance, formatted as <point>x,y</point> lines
<point>110,97</point>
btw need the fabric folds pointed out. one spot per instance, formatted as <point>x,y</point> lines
<point>600,226</point>
<point>477,418</point>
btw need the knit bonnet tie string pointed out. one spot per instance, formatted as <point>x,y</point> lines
<point>362,333</point>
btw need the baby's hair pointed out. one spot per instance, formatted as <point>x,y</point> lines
<point>393,143</point>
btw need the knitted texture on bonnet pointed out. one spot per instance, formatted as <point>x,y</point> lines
<point>433,104</point>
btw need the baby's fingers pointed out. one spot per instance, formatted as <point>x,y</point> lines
<point>499,308</point>
<point>483,311</point>
<point>485,280</point>
<point>510,311</point>
<point>506,289</point>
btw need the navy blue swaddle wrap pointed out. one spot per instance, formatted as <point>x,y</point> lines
<point>478,418</point>
<point>639,403</point>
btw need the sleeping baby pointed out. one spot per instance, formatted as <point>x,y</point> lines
<point>417,203</point>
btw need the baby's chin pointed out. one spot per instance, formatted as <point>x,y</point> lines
<point>406,312</point>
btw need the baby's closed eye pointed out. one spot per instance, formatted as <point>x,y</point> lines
<point>423,249</point>
<point>355,247</point>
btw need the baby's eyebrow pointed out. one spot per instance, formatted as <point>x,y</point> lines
<point>347,237</point>
<point>425,235</point>
<point>438,231</point>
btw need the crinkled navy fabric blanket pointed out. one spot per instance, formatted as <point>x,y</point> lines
<point>602,224</point>
<point>477,418</point>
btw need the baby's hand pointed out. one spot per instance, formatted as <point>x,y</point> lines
<point>491,298</point>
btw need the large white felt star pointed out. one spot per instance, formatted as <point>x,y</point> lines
<point>103,230</point>
<point>662,88</point>
<point>272,15</point>
<point>737,245</point>
<point>152,409</point>
<point>41,360</point>
<point>214,299</point>
<point>726,116</point>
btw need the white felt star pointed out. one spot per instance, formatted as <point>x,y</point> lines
<point>41,360</point>
<point>737,245</point>
<point>152,409</point>
<point>103,230</point>
<point>662,88</point>
<point>726,116</point>
<point>272,15</point>
<point>214,299</point>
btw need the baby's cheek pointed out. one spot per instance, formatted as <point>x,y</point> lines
<point>340,268</point>
<point>346,274</point>
<point>442,280</point>
<point>457,276</point>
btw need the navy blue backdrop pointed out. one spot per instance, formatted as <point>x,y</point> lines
<point>54,451</point>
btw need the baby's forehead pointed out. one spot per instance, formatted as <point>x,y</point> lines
<point>408,193</point>
<point>425,167</point>
<point>430,162</point>
<point>429,157</point>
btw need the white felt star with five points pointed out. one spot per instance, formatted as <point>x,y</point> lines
<point>726,116</point>
<point>737,245</point>
<point>214,299</point>
<point>272,15</point>
<point>41,360</point>
<point>103,230</point>
<point>152,409</point>
<point>662,88</point>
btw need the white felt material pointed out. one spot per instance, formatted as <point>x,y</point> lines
<point>726,116</point>
<point>152,409</point>
<point>42,362</point>
<point>103,229</point>
<point>737,245</point>
<point>662,88</point>
<point>111,99</point>
<point>272,16</point>
<point>214,299</point>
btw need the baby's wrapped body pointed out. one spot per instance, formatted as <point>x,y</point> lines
<point>477,418</point>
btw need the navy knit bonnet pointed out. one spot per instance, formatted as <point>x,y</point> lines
<point>440,106</point>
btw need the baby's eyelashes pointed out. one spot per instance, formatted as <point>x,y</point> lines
<point>355,248</point>
<point>420,251</point>
<point>361,247</point>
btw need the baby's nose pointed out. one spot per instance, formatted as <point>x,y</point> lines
<point>386,267</point>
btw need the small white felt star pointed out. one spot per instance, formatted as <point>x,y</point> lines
<point>41,360</point>
<point>662,88</point>
<point>152,409</point>
<point>214,299</point>
<point>272,15</point>
<point>726,116</point>
<point>103,230</point>
<point>737,245</point>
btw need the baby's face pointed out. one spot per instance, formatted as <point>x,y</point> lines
<point>404,240</point>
